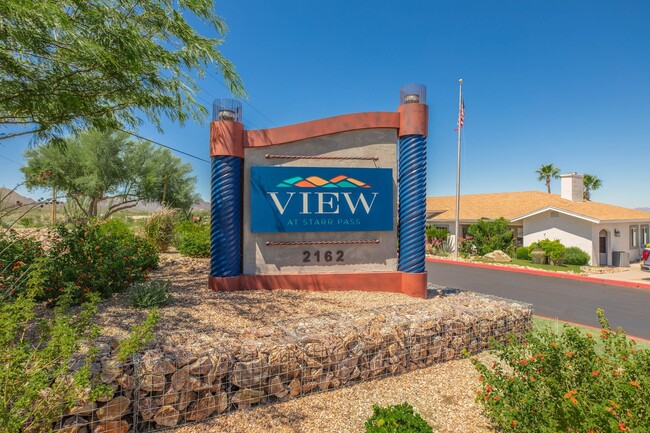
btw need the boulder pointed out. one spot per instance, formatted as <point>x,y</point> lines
<point>498,256</point>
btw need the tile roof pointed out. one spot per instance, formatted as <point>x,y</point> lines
<point>511,205</point>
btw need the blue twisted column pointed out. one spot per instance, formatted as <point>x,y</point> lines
<point>225,224</point>
<point>412,202</point>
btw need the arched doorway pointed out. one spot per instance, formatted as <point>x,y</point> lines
<point>602,248</point>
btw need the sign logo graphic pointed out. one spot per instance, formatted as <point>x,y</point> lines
<point>321,199</point>
<point>341,181</point>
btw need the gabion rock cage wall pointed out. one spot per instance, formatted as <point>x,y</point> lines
<point>170,385</point>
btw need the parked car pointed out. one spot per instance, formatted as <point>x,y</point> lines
<point>645,259</point>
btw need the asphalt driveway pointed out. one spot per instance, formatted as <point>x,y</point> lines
<point>563,298</point>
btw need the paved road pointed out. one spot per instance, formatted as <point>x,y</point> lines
<point>569,300</point>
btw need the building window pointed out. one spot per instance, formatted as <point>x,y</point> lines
<point>645,235</point>
<point>634,236</point>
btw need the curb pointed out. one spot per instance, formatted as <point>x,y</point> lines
<point>595,328</point>
<point>631,284</point>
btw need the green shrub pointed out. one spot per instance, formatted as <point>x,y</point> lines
<point>575,256</point>
<point>436,233</point>
<point>17,255</point>
<point>150,294</point>
<point>396,419</point>
<point>554,249</point>
<point>94,260</point>
<point>490,235</point>
<point>562,383</point>
<point>192,240</point>
<point>159,227</point>
<point>117,229</point>
<point>523,253</point>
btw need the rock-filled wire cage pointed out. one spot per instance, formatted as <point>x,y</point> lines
<point>172,384</point>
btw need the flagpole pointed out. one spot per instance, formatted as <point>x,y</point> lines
<point>460,126</point>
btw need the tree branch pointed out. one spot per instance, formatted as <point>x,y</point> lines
<point>121,206</point>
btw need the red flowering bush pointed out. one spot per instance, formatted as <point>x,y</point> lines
<point>96,258</point>
<point>16,258</point>
<point>562,383</point>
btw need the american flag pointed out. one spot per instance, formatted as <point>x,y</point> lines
<point>461,115</point>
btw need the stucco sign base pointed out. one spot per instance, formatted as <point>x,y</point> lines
<point>398,282</point>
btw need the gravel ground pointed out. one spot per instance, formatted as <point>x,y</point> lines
<point>442,394</point>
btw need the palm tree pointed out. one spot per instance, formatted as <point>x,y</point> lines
<point>545,173</point>
<point>590,183</point>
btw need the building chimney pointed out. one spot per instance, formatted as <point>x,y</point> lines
<point>571,187</point>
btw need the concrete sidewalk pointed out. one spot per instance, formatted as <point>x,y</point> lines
<point>632,274</point>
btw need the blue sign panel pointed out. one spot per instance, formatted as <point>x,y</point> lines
<point>318,199</point>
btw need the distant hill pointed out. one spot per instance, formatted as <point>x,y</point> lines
<point>644,209</point>
<point>8,198</point>
<point>201,205</point>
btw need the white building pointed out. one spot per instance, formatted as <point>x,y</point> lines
<point>612,235</point>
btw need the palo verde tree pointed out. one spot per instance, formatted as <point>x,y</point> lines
<point>71,65</point>
<point>590,183</point>
<point>545,173</point>
<point>109,169</point>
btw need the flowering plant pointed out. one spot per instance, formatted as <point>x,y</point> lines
<point>564,382</point>
<point>95,258</point>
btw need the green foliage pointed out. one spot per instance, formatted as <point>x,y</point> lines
<point>436,233</point>
<point>70,65</point>
<point>93,260</point>
<point>396,419</point>
<point>560,382</point>
<point>590,183</point>
<point>150,294</point>
<point>46,360</point>
<point>38,379</point>
<point>489,235</point>
<point>116,229</point>
<point>158,228</point>
<point>575,256</point>
<point>192,240</point>
<point>112,170</point>
<point>523,253</point>
<point>46,357</point>
<point>545,173</point>
<point>140,336</point>
<point>554,250</point>
<point>17,255</point>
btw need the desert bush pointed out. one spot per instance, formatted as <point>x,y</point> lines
<point>490,235</point>
<point>436,233</point>
<point>561,382</point>
<point>46,360</point>
<point>523,253</point>
<point>94,260</point>
<point>158,228</point>
<point>150,294</point>
<point>117,229</point>
<point>396,419</point>
<point>192,240</point>
<point>554,250</point>
<point>17,256</point>
<point>575,256</point>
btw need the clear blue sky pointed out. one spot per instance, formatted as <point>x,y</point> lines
<point>563,82</point>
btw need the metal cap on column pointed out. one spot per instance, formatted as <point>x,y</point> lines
<point>412,172</point>
<point>226,153</point>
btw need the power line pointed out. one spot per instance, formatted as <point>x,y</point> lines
<point>164,145</point>
<point>243,100</point>
<point>12,160</point>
